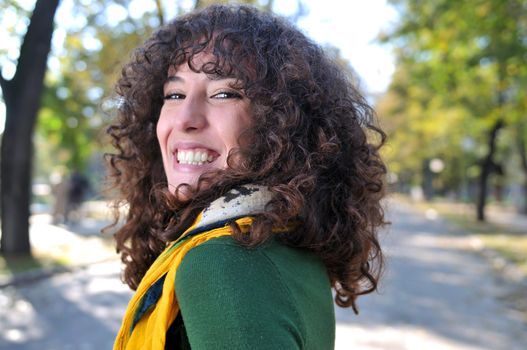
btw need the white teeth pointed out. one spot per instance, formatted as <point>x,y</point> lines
<point>194,157</point>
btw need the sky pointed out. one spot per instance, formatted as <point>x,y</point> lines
<point>352,26</point>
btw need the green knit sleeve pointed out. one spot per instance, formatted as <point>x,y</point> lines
<point>233,297</point>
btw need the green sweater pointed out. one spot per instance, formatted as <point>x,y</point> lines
<point>269,297</point>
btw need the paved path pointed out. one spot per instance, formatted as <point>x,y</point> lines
<point>436,295</point>
<point>77,311</point>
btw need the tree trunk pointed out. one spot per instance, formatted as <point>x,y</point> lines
<point>22,99</point>
<point>427,183</point>
<point>488,165</point>
<point>486,169</point>
<point>269,6</point>
<point>160,12</point>
<point>522,150</point>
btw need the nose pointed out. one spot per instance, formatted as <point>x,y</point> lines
<point>192,114</point>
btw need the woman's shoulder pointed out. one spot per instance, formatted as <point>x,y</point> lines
<point>285,290</point>
<point>270,259</point>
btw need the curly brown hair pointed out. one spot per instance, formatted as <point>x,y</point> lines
<point>313,142</point>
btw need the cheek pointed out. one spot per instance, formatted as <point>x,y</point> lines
<point>243,123</point>
<point>162,130</point>
<point>233,131</point>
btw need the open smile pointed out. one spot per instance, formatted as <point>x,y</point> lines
<point>196,156</point>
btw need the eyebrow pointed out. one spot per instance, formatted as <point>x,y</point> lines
<point>174,78</point>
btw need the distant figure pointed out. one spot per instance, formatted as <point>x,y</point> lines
<point>60,194</point>
<point>78,187</point>
<point>69,195</point>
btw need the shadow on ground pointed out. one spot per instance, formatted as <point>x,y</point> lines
<point>435,288</point>
<point>61,313</point>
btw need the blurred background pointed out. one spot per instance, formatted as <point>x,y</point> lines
<point>448,80</point>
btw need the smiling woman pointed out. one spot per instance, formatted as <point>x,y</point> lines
<point>251,185</point>
<point>200,122</point>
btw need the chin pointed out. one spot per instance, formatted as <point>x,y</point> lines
<point>181,187</point>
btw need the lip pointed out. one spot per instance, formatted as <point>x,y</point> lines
<point>185,145</point>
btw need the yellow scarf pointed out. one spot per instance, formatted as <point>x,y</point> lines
<point>148,331</point>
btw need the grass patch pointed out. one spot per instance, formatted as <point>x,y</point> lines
<point>511,246</point>
<point>10,265</point>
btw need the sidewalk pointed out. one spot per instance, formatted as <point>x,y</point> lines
<point>501,239</point>
<point>437,293</point>
<point>71,246</point>
<point>494,214</point>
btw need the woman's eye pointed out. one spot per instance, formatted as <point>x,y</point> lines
<point>174,96</point>
<point>227,94</point>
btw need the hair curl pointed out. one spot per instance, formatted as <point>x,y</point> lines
<point>311,144</point>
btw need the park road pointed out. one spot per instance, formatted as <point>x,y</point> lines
<point>437,294</point>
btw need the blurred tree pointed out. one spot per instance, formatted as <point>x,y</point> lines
<point>22,100</point>
<point>458,73</point>
<point>78,98</point>
<point>522,148</point>
<point>71,114</point>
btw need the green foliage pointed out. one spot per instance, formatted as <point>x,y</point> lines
<point>14,20</point>
<point>459,71</point>
<point>77,102</point>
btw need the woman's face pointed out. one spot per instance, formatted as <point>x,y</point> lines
<point>200,122</point>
